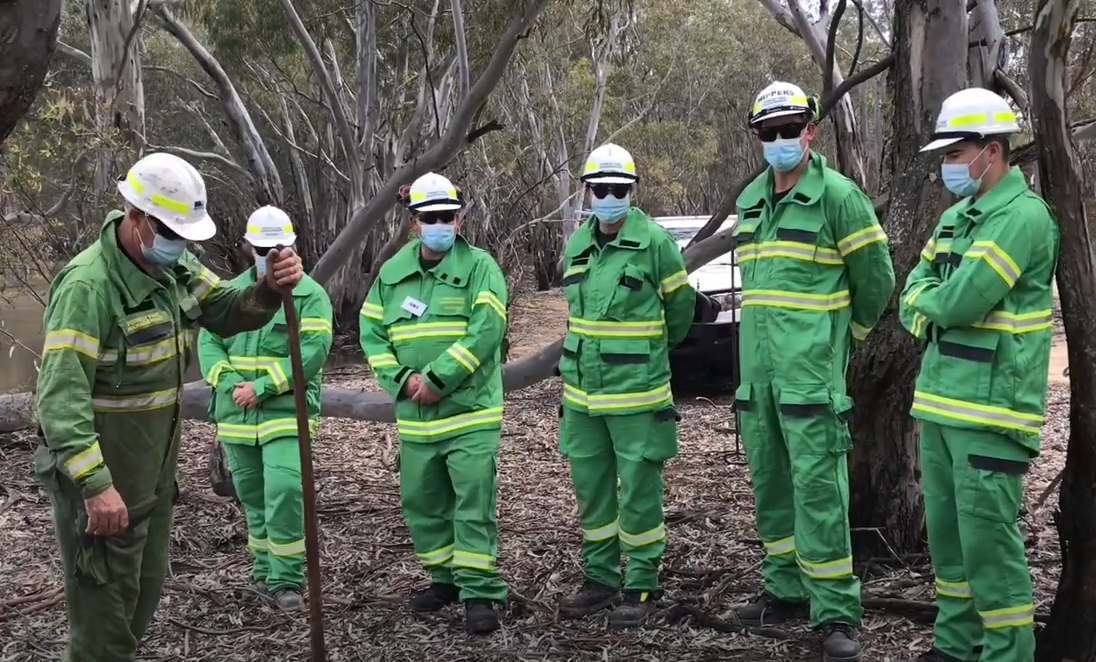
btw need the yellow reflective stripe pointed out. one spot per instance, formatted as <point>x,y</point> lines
<point>920,326</point>
<point>929,251</point>
<point>1017,323</point>
<point>258,544</point>
<point>828,570</point>
<point>792,100</point>
<point>207,282</point>
<point>372,311</point>
<point>794,250</point>
<point>156,198</point>
<point>84,462</point>
<point>427,330</point>
<point>574,271</point>
<point>607,329</point>
<point>859,331</point>
<point>148,353</point>
<point>997,259</point>
<point>617,401</point>
<point>780,547</point>
<point>437,556</point>
<point>275,427</point>
<point>295,548</point>
<point>999,116</point>
<point>473,560</point>
<point>971,412</point>
<point>796,300</point>
<point>72,339</point>
<point>958,590</point>
<point>860,239</point>
<point>142,402</point>
<point>213,377</point>
<point>488,298</point>
<point>316,324</point>
<point>916,292</point>
<point>674,282</point>
<point>426,429</point>
<point>602,532</point>
<point>467,359</point>
<point>1009,617</point>
<point>648,537</point>
<point>271,365</point>
<point>383,361</point>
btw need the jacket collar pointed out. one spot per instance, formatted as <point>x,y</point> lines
<point>807,191</point>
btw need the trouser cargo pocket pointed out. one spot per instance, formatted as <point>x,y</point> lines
<point>662,435</point>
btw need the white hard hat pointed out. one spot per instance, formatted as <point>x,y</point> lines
<point>609,164</point>
<point>432,192</point>
<point>268,227</point>
<point>780,100</point>
<point>972,114</point>
<point>172,191</point>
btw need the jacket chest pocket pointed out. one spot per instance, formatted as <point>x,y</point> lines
<point>746,248</point>
<point>274,341</point>
<point>149,340</point>
<point>632,295</point>
<point>573,278</point>
<point>800,248</point>
<point>965,363</point>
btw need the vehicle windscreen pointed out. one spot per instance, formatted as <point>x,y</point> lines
<point>683,235</point>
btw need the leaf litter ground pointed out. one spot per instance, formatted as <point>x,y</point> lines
<point>209,611</point>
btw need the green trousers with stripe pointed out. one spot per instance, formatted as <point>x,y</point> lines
<point>973,484</point>
<point>616,468</point>
<point>268,482</point>
<point>447,491</point>
<point>797,447</point>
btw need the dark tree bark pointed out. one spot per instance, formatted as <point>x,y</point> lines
<point>930,44</point>
<point>1070,634</point>
<point>28,36</point>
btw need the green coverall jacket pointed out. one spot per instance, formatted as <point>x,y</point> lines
<point>117,344</point>
<point>816,275</point>
<point>262,357</point>
<point>981,296</point>
<point>629,303</point>
<point>447,324</point>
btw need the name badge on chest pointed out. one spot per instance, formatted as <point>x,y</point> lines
<point>414,306</point>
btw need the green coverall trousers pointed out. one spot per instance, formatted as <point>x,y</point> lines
<point>798,457</point>
<point>447,491</point>
<point>268,482</point>
<point>973,484</point>
<point>628,451</point>
<point>112,584</point>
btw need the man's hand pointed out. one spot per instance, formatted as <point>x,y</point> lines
<point>107,514</point>
<point>283,269</point>
<point>412,385</point>
<point>244,395</point>
<point>425,395</point>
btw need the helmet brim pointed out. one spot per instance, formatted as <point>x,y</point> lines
<point>262,242</point>
<point>203,230</point>
<point>438,206</point>
<point>785,112</point>
<point>940,143</point>
<point>609,179</point>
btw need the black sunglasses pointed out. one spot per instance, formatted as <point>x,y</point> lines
<point>432,217</point>
<point>159,228</point>
<point>618,191</point>
<point>786,131</point>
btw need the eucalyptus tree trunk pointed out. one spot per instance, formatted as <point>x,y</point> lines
<point>30,37</point>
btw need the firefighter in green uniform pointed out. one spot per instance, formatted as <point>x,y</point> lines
<point>431,326</point>
<point>981,298</point>
<point>255,412</point>
<point>816,277</point>
<point>120,324</point>
<point>629,302</point>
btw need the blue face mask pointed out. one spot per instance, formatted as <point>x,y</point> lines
<point>610,209</point>
<point>438,237</point>
<point>957,177</point>
<point>163,252</point>
<point>784,154</point>
<point>260,265</point>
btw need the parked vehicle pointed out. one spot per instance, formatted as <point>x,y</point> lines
<point>710,350</point>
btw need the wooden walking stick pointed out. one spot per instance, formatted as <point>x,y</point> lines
<point>311,537</point>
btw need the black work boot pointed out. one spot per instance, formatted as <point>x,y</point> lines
<point>435,597</point>
<point>767,610</point>
<point>840,643</point>
<point>633,611</point>
<point>480,617</point>
<point>288,598</point>
<point>590,599</point>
